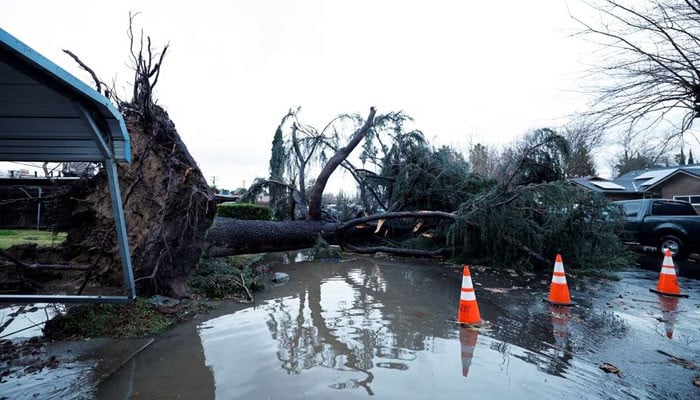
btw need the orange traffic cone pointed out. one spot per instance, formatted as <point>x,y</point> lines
<point>669,306</point>
<point>467,338</point>
<point>559,290</point>
<point>668,284</point>
<point>468,308</point>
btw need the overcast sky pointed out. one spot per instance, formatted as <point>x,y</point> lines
<point>466,71</point>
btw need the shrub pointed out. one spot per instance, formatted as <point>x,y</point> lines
<point>226,277</point>
<point>137,319</point>
<point>322,250</point>
<point>244,211</point>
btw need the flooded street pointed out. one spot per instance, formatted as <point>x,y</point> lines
<point>382,328</point>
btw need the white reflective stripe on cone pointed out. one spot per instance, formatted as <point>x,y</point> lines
<point>468,295</point>
<point>558,279</point>
<point>467,281</point>
<point>665,269</point>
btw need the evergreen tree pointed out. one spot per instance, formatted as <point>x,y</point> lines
<point>278,158</point>
<point>680,158</point>
<point>278,193</point>
<point>690,157</point>
<point>541,156</point>
<point>584,138</point>
<point>581,162</point>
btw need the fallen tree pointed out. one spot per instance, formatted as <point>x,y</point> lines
<point>418,201</point>
<point>169,211</point>
<point>229,236</point>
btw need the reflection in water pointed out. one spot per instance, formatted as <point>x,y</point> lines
<point>338,324</point>
<point>386,329</point>
<point>669,307</point>
<point>27,320</point>
<point>560,328</point>
<point>343,327</point>
<point>289,258</point>
<point>467,339</point>
<point>363,328</point>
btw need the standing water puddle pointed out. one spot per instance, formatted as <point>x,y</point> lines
<point>29,370</point>
<point>383,328</point>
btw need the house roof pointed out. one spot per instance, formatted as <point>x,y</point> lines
<point>644,180</point>
<point>638,181</point>
<point>598,184</point>
<point>47,114</point>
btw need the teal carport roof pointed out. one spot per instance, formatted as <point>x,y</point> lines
<point>47,114</point>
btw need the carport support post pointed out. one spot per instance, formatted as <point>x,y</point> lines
<point>110,165</point>
<point>120,224</point>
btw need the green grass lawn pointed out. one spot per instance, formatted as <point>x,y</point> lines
<point>10,237</point>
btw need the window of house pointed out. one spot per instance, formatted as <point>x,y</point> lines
<point>694,200</point>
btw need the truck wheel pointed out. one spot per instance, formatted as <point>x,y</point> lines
<point>671,243</point>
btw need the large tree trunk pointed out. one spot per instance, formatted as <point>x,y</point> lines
<point>230,236</point>
<point>333,163</point>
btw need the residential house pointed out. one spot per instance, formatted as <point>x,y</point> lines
<point>680,182</point>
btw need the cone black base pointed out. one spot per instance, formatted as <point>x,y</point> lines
<point>473,325</point>
<point>571,304</point>
<point>685,296</point>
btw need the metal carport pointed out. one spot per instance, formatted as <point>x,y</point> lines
<point>47,114</point>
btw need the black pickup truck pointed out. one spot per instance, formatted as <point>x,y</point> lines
<point>664,224</point>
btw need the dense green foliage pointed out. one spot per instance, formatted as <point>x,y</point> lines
<point>429,179</point>
<point>548,218</point>
<point>279,202</point>
<point>244,211</point>
<point>514,208</point>
<point>530,212</point>
<point>541,156</point>
<point>322,250</point>
<point>140,318</point>
<point>226,277</point>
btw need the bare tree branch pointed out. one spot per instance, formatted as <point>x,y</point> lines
<point>98,82</point>
<point>13,261</point>
<point>653,65</point>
